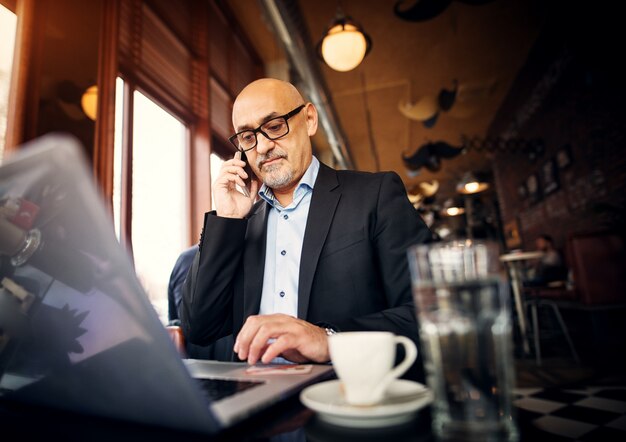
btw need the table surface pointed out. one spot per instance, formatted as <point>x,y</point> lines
<point>521,256</point>
<point>578,412</point>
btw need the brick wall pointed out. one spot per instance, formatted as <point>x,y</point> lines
<point>584,114</point>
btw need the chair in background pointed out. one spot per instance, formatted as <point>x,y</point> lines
<point>549,296</point>
<point>598,265</point>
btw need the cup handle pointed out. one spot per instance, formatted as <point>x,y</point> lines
<point>409,357</point>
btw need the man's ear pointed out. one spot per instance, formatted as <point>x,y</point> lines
<point>311,119</point>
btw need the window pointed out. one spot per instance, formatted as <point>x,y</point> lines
<point>216,165</point>
<point>8,23</point>
<point>150,189</point>
<point>169,109</point>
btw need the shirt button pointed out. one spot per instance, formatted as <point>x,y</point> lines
<point>286,216</point>
<point>284,252</point>
<point>282,294</point>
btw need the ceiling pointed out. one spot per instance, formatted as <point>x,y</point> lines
<point>481,47</point>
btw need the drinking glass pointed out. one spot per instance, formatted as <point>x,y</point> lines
<point>462,303</point>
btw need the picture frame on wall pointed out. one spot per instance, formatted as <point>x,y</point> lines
<point>564,157</point>
<point>549,177</point>
<point>532,187</point>
<point>522,192</point>
<point>512,236</point>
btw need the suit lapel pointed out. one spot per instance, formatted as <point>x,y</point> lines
<point>254,260</point>
<point>321,212</point>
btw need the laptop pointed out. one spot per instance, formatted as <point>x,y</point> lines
<point>77,331</point>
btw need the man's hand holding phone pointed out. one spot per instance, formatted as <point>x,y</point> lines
<point>230,202</point>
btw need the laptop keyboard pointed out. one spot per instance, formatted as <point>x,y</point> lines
<point>215,389</point>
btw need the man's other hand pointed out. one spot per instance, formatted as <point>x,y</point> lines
<point>265,337</point>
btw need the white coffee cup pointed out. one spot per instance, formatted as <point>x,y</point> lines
<point>364,362</point>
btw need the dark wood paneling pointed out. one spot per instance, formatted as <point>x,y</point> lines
<point>25,75</point>
<point>105,123</point>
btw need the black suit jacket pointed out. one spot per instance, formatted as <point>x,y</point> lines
<point>353,272</point>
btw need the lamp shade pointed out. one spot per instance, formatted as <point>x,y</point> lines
<point>452,208</point>
<point>454,211</point>
<point>471,184</point>
<point>344,45</point>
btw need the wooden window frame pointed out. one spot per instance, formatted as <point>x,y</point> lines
<point>194,111</point>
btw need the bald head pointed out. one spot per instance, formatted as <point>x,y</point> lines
<point>263,94</point>
<point>271,86</point>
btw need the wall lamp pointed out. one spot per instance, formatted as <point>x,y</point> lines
<point>344,44</point>
<point>89,102</point>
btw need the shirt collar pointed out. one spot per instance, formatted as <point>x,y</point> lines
<point>307,182</point>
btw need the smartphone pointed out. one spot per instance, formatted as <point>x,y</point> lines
<point>251,175</point>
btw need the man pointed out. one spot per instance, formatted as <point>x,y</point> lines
<point>550,267</point>
<point>220,350</point>
<point>321,251</point>
<point>175,284</point>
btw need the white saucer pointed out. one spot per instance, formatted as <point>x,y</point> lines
<point>401,403</point>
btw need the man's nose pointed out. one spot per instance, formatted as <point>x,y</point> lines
<point>263,143</point>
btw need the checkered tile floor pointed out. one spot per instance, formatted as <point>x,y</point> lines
<point>596,413</point>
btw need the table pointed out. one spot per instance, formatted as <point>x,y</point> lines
<point>515,263</point>
<point>588,411</point>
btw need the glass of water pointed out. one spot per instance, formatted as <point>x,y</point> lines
<point>462,303</point>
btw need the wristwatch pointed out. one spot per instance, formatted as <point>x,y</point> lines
<point>330,331</point>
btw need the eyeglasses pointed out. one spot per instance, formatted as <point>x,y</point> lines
<point>272,130</point>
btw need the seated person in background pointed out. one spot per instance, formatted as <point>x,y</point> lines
<point>221,350</point>
<point>175,286</point>
<point>321,251</point>
<point>550,267</point>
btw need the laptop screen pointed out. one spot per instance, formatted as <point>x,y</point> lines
<point>76,329</point>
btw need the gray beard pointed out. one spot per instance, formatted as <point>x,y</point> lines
<point>275,179</point>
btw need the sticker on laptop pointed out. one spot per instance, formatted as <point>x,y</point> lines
<point>279,369</point>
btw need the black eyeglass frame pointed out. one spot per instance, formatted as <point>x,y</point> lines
<point>286,117</point>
